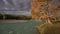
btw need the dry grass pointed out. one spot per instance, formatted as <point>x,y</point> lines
<point>50,29</point>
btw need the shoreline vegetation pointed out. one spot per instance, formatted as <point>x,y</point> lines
<point>14,17</point>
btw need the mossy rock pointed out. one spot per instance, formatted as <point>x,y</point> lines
<point>49,28</point>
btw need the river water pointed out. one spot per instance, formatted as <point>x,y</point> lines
<point>19,26</point>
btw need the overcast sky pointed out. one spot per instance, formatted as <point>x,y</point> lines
<point>22,5</point>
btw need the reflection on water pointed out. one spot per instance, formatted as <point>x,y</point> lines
<point>10,32</point>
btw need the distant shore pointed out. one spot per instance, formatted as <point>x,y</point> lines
<point>13,21</point>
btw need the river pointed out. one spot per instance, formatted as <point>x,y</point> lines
<point>19,27</point>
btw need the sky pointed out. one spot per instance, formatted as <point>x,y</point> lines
<point>22,7</point>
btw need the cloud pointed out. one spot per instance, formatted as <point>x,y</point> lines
<point>16,12</point>
<point>5,1</point>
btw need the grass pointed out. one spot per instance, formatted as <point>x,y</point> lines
<point>50,29</point>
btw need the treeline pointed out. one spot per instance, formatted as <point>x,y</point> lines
<point>19,17</point>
